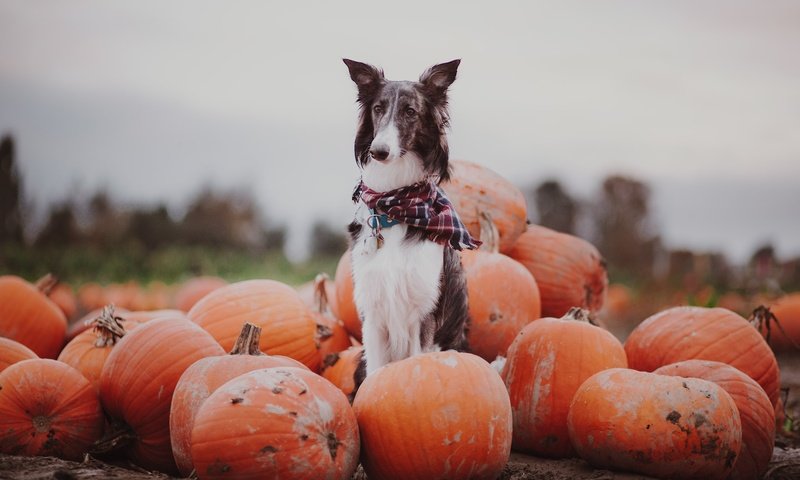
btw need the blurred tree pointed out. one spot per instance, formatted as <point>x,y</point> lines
<point>108,225</point>
<point>152,228</point>
<point>555,207</point>
<point>623,230</point>
<point>327,241</point>
<point>10,194</point>
<point>61,229</point>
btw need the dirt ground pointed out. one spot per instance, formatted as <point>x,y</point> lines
<point>785,464</point>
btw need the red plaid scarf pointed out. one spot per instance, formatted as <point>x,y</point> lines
<point>422,205</point>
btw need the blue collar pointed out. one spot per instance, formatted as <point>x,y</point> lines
<point>375,219</point>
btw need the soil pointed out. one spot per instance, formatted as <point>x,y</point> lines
<point>785,464</point>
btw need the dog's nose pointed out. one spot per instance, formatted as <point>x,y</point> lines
<point>379,152</point>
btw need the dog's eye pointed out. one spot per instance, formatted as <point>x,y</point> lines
<point>410,112</point>
<point>377,109</point>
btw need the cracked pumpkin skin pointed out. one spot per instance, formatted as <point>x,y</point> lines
<point>282,422</point>
<point>664,426</point>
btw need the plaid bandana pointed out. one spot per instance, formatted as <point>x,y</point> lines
<point>422,205</point>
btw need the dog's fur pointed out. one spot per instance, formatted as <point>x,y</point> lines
<point>411,292</point>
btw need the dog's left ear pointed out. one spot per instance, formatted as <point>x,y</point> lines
<point>439,77</point>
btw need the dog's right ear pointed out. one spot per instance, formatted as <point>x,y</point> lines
<point>366,77</point>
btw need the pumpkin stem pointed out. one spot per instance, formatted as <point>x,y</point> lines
<point>247,343</point>
<point>108,327</point>
<point>320,294</point>
<point>762,319</point>
<point>118,436</point>
<point>490,236</point>
<point>46,284</point>
<point>580,315</point>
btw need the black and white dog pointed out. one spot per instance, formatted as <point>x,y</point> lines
<point>409,286</point>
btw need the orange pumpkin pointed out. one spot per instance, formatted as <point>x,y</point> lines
<point>686,333</point>
<point>331,334</point>
<point>92,296</point>
<point>548,361</point>
<point>88,351</point>
<point>569,270</point>
<point>30,318</point>
<point>276,423</point>
<point>473,189</point>
<point>434,415</point>
<point>47,408</point>
<point>61,294</point>
<point>782,335</point>
<point>194,289</point>
<point>340,368</point>
<point>288,325</point>
<point>138,380</point>
<point>503,296</point>
<point>206,375</point>
<point>345,306</point>
<point>12,352</point>
<point>755,410</point>
<point>667,427</point>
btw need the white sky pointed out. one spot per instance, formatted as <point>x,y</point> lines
<point>701,99</point>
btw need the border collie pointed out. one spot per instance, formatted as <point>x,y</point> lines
<point>409,286</point>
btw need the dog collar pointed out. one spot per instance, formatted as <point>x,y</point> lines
<point>379,220</point>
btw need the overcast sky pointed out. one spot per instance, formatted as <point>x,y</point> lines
<point>700,99</point>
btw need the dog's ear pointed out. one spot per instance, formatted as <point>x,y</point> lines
<point>366,77</point>
<point>438,78</point>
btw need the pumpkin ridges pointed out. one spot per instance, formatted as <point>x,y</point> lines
<point>12,352</point>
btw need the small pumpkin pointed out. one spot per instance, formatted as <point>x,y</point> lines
<point>447,412</point>
<point>288,325</point>
<point>192,290</point>
<point>47,408</point>
<point>276,423</point>
<point>12,352</point>
<point>345,306</point>
<point>340,368</point>
<point>503,296</point>
<point>687,333</point>
<point>137,384</point>
<point>30,318</point>
<point>755,410</point>
<point>569,271</point>
<point>782,335</point>
<point>658,425</point>
<point>548,361</point>
<point>331,337</point>
<point>203,377</point>
<point>473,189</point>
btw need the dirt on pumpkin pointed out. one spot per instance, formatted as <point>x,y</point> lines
<point>785,462</point>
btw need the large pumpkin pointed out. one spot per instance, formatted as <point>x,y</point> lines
<point>288,325</point>
<point>780,323</point>
<point>434,415</point>
<point>345,306</point>
<point>686,333</point>
<point>138,380</point>
<point>192,290</point>
<point>12,352</point>
<point>276,423</point>
<point>47,408</point>
<point>569,270</point>
<point>548,361</point>
<point>340,368</point>
<point>206,375</point>
<point>667,427</point>
<point>30,318</point>
<point>755,410</point>
<point>473,189</point>
<point>502,295</point>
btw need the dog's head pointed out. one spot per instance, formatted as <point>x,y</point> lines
<point>401,133</point>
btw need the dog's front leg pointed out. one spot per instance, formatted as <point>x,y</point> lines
<point>376,346</point>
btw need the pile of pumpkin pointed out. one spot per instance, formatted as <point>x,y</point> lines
<point>692,393</point>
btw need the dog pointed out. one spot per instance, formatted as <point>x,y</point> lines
<point>409,285</point>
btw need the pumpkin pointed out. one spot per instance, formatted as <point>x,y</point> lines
<point>658,425</point>
<point>686,333</point>
<point>88,351</point>
<point>138,381</point>
<point>276,423</point>
<point>434,415</point>
<point>206,375</point>
<point>548,361</point>
<point>340,368</point>
<point>780,323</point>
<point>345,306</point>
<point>194,289</point>
<point>12,352</point>
<point>92,296</point>
<point>755,410</point>
<point>473,189</point>
<point>503,296</point>
<point>569,270</point>
<point>47,408</point>
<point>331,334</point>
<point>61,294</point>
<point>288,325</point>
<point>30,318</point>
